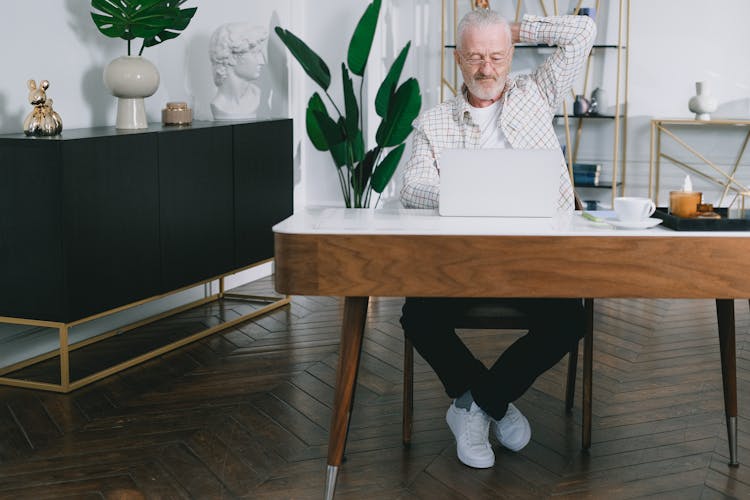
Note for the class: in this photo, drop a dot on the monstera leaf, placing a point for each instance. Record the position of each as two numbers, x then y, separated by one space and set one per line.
182 18
155 21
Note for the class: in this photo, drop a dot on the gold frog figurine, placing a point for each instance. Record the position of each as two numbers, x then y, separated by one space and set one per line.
42 120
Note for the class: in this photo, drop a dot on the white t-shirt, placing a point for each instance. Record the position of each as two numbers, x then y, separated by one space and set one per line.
487 119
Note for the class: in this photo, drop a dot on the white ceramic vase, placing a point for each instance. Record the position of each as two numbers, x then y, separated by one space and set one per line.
131 79
703 103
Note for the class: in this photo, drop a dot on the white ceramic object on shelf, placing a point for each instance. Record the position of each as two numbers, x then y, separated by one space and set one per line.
703 103
598 101
131 79
237 58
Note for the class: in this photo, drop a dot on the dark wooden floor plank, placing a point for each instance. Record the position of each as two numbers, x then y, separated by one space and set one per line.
192 474
245 414
228 467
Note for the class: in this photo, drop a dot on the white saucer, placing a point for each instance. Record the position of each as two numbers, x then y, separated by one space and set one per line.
641 224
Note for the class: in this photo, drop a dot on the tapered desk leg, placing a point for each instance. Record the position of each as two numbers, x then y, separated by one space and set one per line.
570 386
352 331
588 362
408 396
725 316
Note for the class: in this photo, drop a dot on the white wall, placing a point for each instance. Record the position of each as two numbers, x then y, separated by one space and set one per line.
64 47
673 44
56 40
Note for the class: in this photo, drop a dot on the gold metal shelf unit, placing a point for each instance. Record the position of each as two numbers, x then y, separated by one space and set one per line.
65 348
725 180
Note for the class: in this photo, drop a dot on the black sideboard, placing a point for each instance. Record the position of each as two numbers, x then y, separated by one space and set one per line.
99 218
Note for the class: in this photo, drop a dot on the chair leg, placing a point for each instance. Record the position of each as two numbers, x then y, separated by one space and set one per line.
570 385
408 403
588 361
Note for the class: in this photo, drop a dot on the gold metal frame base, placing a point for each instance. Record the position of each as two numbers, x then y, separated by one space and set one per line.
725 180
66 385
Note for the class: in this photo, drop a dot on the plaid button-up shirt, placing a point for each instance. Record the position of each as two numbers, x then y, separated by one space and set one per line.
529 105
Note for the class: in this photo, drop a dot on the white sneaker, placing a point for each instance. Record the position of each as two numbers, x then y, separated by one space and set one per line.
471 429
513 430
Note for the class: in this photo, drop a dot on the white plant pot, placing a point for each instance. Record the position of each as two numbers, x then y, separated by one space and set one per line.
131 79
703 103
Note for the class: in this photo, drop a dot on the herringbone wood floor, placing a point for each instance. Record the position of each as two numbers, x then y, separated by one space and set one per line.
244 414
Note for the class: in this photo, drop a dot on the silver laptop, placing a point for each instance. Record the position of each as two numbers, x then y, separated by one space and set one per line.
499 182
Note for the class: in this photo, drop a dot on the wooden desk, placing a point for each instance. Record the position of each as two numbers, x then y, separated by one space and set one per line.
712 173
360 253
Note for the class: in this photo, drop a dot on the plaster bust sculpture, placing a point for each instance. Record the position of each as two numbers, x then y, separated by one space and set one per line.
237 58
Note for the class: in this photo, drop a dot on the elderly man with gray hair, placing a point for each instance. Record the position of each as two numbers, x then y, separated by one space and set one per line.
495 111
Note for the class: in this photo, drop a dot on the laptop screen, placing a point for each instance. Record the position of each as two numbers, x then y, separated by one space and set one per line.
499 182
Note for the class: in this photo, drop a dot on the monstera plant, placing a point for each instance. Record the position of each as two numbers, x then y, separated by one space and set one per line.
360 170
154 21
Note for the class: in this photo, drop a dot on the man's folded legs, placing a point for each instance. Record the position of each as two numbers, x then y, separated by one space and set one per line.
484 396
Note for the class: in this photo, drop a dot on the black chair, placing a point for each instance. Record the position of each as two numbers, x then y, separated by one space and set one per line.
491 316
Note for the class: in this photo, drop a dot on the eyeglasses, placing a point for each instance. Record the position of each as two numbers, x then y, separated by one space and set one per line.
477 60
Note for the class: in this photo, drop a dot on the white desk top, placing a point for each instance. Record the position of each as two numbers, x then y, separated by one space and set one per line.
428 222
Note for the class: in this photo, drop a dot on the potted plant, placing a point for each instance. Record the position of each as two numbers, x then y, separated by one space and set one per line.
132 78
360 171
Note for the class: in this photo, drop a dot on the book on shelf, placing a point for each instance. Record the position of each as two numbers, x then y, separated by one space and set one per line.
586 180
586 174
587 168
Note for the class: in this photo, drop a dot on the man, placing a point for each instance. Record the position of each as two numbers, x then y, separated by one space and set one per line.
495 111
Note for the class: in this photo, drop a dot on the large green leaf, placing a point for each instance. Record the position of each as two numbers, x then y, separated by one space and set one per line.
127 18
154 21
351 108
311 62
339 154
314 131
386 168
388 86
358 146
109 28
179 21
333 135
160 37
110 7
361 42
362 172
403 109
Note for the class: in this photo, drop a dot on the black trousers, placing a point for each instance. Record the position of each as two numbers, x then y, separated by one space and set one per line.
555 325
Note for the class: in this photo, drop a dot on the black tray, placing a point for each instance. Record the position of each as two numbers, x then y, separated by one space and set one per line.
726 223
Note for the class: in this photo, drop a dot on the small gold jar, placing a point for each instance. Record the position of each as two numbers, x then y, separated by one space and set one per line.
177 113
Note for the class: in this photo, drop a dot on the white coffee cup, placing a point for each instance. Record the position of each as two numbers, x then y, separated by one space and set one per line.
633 209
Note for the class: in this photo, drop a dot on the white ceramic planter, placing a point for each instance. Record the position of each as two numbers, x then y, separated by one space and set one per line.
131 79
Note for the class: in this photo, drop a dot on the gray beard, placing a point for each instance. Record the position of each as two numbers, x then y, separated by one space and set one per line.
482 93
